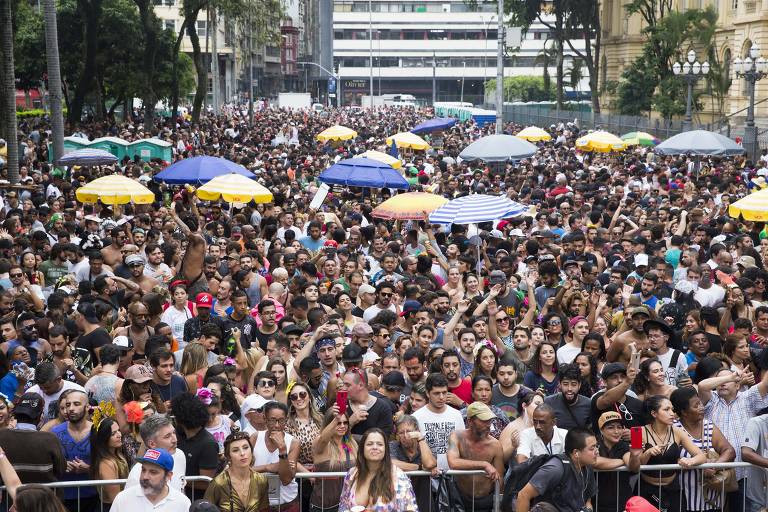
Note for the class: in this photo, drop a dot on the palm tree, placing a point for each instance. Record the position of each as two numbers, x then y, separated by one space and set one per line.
545 58
575 74
54 77
9 92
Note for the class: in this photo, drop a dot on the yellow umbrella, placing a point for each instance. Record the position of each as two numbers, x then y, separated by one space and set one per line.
337 132
753 207
534 134
601 142
408 206
114 189
383 158
408 140
234 188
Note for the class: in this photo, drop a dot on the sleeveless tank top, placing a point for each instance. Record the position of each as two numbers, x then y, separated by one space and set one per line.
278 494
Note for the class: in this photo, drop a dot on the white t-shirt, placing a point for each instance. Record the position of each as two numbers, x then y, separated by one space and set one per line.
179 471
437 428
531 444
176 319
709 297
132 499
670 374
48 399
374 310
566 354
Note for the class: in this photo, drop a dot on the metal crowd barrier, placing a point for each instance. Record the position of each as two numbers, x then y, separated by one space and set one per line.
496 492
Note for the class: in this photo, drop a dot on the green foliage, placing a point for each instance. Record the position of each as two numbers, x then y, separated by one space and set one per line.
523 88
649 82
35 112
29 60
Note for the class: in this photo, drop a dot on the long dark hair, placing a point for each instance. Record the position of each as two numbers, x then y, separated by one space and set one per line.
476 370
535 364
36 498
382 485
588 386
100 449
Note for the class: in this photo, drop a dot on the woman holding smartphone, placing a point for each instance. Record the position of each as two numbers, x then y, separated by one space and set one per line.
334 450
660 442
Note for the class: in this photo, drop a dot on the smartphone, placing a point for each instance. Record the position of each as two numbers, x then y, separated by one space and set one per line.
341 401
634 360
636 438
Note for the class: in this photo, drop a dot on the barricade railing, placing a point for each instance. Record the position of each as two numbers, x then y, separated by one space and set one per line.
301 476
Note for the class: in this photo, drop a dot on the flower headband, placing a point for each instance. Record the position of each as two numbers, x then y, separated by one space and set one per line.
204 395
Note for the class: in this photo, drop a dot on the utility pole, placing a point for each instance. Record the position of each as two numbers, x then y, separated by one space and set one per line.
250 70
434 79
370 49
500 68
463 74
215 61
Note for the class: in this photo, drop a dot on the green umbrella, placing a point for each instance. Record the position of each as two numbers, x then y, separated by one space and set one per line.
639 139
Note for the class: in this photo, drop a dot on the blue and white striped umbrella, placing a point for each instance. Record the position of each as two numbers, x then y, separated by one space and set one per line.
87 156
476 208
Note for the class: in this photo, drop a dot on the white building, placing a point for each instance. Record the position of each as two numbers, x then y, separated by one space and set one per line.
409 35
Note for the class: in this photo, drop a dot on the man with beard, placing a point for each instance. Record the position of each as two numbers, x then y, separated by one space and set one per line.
135 265
571 409
322 344
153 491
436 420
459 389
223 304
26 329
506 393
111 253
155 267
74 435
193 327
475 449
267 312
138 332
210 269
621 348
158 432
110 293
74 363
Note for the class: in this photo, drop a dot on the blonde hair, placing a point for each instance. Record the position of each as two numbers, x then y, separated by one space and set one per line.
194 358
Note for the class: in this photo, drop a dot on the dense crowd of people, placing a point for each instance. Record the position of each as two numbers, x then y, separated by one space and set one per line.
620 322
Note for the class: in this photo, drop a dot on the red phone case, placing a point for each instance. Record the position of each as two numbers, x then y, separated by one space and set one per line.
341 401
636 438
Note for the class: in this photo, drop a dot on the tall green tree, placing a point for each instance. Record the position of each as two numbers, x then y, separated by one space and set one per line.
54 77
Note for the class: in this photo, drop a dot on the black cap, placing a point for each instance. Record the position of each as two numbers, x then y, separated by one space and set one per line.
292 329
640 240
352 352
30 405
394 379
612 369
658 324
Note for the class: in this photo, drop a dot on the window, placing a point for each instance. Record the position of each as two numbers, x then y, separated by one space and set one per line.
170 25
202 25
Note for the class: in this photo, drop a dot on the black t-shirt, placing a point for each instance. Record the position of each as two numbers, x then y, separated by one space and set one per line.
264 338
176 387
633 417
395 407
715 343
557 483
570 416
94 341
247 328
379 415
609 501
202 452
508 404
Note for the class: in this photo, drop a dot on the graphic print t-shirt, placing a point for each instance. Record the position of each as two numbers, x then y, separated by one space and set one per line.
437 428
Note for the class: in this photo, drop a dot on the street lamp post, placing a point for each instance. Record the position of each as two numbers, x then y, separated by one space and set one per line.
691 71
463 74
752 69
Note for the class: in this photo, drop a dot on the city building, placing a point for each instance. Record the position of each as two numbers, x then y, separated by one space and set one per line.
418 45
740 24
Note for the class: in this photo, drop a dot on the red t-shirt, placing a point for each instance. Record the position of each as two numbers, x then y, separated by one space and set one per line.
463 391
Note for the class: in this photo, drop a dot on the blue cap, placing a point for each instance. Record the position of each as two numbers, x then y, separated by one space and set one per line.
159 457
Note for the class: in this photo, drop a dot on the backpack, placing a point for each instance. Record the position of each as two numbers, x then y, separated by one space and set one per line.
521 474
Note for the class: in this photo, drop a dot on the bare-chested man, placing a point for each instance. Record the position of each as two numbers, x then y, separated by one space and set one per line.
621 348
138 332
135 264
474 449
112 253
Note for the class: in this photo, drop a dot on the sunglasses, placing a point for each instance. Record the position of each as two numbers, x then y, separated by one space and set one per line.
385 294
266 383
300 395
16 275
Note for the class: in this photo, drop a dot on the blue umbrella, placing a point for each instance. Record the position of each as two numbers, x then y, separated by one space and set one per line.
363 172
476 208
200 169
434 125
87 156
699 143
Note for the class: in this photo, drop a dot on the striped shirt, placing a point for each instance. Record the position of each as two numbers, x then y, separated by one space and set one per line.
698 498
731 418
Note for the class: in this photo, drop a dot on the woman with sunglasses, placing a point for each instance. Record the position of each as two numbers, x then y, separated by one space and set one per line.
334 450
554 329
239 488
304 424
